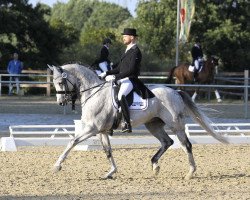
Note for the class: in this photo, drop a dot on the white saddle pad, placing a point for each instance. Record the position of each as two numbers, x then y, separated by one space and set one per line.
138 102
191 68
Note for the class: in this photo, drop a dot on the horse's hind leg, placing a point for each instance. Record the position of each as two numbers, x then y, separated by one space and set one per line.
187 147
104 138
71 145
156 127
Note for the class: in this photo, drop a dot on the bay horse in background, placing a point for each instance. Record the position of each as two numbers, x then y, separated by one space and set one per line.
204 76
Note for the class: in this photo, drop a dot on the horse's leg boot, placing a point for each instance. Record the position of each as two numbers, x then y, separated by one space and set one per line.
126 126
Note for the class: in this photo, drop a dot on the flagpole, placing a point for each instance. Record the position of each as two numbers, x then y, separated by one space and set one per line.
177 34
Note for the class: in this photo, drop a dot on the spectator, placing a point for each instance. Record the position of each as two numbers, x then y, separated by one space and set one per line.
15 67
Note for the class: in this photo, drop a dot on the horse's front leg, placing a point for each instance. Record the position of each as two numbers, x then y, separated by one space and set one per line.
79 138
104 138
217 96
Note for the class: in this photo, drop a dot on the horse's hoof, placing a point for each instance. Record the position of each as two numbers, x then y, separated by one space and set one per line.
188 176
156 169
57 169
219 100
107 177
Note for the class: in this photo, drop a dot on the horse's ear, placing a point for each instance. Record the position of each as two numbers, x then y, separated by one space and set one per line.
51 67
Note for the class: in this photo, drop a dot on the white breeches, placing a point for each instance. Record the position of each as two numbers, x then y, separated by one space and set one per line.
196 64
103 66
125 89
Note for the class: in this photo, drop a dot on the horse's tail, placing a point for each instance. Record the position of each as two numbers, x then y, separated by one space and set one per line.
200 117
170 76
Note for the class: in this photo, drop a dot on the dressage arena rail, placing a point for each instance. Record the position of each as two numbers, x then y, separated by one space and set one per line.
47 84
60 135
46 74
226 76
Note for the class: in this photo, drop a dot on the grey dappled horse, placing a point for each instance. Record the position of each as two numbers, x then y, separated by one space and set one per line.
168 107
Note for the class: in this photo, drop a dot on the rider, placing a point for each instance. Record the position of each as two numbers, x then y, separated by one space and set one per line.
103 63
197 56
126 73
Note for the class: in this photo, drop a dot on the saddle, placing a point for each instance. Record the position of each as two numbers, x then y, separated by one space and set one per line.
136 100
191 68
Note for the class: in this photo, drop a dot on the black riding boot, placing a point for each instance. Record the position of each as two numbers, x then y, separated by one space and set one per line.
126 126
195 74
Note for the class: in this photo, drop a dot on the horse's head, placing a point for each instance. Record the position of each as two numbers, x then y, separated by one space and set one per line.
65 84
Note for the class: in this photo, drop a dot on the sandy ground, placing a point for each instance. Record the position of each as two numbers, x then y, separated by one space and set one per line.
223 172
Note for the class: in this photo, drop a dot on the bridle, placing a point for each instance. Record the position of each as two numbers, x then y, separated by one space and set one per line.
68 94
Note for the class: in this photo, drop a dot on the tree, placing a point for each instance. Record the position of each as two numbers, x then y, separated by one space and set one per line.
95 21
24 29
224 31
156 24
222 27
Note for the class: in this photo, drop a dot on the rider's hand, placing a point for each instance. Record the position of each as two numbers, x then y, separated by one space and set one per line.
110 78
102 75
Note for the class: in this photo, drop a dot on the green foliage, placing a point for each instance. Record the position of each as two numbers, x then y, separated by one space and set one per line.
24 29
95 21
224 32
106 15
75 12
155 22
74 31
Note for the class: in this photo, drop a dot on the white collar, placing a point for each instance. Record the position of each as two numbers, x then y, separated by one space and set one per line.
196 45
130 46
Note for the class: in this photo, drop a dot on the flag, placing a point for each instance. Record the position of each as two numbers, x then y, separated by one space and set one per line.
186 14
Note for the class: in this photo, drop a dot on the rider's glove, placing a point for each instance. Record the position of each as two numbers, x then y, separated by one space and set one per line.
102 75
110 78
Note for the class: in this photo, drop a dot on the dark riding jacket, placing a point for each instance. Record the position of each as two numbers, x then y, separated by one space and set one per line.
129 66
104 56
196 52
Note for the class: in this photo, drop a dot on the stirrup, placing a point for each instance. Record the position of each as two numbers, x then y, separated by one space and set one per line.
126 127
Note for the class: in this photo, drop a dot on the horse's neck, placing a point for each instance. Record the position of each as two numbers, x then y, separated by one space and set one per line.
205 68
86 78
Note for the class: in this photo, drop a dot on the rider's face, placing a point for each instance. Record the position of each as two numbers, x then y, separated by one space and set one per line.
127 39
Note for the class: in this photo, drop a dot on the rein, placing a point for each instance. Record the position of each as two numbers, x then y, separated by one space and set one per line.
101 84
67 92
94 87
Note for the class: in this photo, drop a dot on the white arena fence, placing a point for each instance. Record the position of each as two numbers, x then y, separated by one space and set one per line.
60 135
45 75
47 83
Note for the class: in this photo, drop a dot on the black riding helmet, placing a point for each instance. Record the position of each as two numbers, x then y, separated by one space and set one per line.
107 41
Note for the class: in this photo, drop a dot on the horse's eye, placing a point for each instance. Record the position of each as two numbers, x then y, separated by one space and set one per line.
61 84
